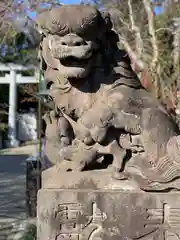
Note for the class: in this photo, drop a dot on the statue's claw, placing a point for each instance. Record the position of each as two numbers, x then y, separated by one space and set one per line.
119 176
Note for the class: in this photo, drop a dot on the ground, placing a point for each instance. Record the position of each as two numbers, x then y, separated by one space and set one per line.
13 185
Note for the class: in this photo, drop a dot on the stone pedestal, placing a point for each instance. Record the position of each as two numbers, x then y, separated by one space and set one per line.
91 206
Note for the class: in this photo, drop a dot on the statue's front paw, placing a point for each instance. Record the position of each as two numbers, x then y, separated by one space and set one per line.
117 175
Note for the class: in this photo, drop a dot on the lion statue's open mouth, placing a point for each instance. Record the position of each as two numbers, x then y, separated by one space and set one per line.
73 67
75 62
69 54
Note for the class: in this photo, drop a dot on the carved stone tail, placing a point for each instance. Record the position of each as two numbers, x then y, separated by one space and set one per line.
173 149
168 167
162 176
167 170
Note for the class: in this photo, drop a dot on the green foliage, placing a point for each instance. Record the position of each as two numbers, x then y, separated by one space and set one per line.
16 49
29 233
3 127
164 33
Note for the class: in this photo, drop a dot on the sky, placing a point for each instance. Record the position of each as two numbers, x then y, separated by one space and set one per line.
70 1
157 10
33 14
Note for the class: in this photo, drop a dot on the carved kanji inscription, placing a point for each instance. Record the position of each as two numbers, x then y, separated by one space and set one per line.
109 215
75 225
167 221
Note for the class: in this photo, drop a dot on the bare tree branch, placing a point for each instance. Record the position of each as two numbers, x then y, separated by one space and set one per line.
135 29
151 28
5 10
133 55
163 29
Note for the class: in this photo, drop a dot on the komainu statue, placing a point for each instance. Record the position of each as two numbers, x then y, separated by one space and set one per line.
101 116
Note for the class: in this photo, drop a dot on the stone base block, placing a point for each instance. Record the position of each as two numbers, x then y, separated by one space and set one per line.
101 213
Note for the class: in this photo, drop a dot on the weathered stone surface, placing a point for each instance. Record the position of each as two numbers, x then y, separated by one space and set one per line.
54 178
79 212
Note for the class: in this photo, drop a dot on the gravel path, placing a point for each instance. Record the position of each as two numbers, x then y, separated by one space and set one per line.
13 185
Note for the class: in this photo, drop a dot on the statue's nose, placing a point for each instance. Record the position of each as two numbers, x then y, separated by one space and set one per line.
72 40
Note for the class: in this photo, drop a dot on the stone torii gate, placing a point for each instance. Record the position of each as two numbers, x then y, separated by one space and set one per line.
13 78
